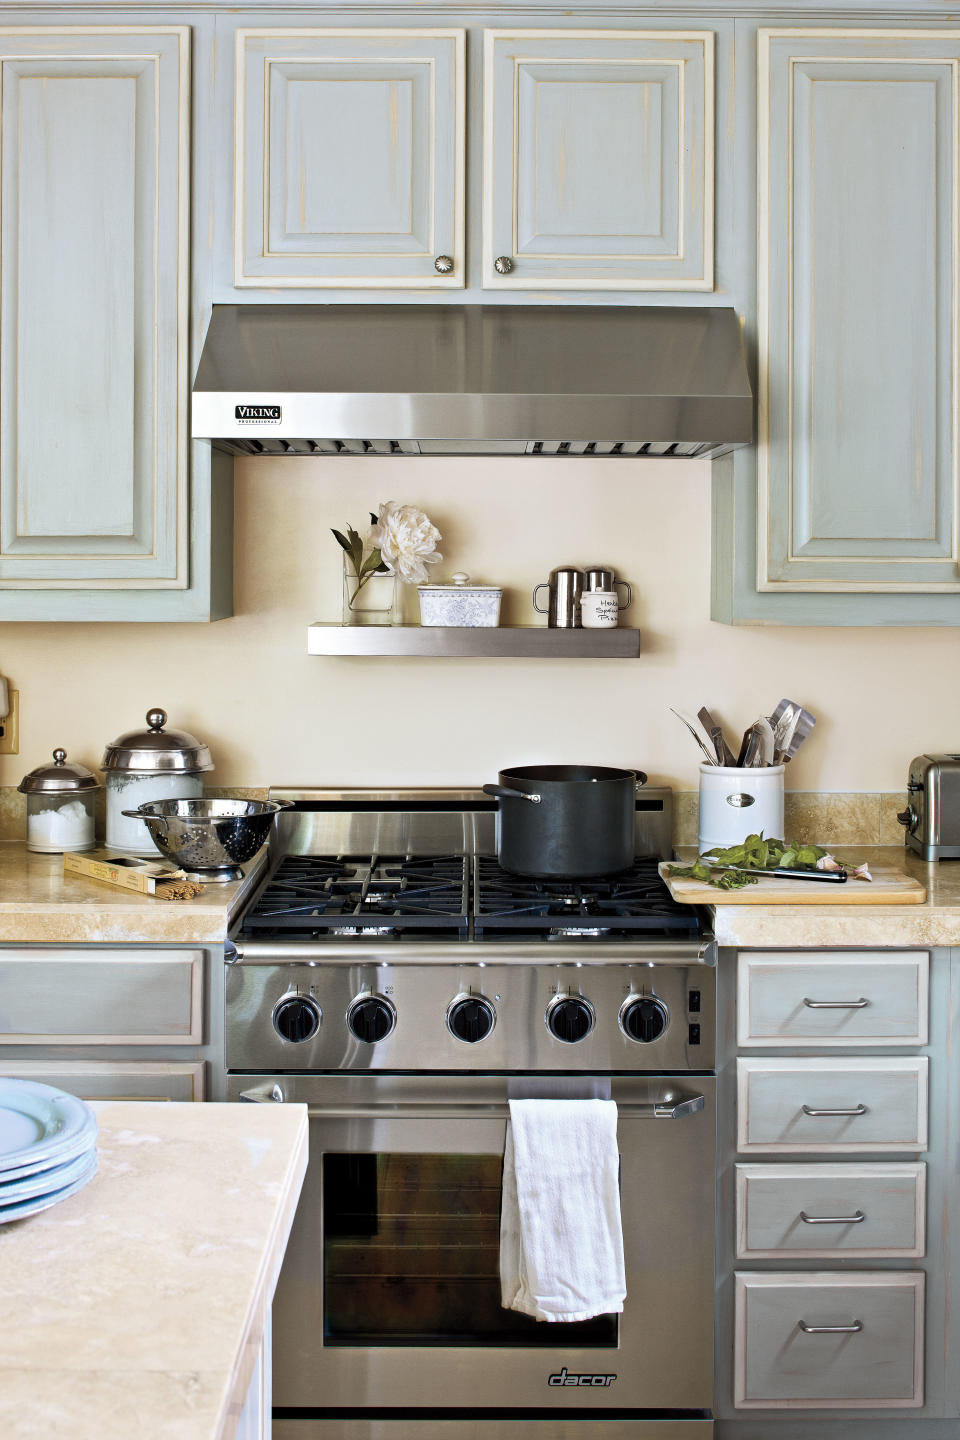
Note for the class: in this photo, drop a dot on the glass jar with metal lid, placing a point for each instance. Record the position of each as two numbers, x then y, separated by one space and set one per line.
60 806
151 764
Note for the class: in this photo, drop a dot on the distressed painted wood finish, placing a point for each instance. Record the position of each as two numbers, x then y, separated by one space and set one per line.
822 1212
803 998
885 1100
350 158
94 227
858 311
878 1365
598 159
106 996
116 1079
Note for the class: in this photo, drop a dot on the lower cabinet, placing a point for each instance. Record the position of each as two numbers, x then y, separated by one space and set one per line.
829 1341
115 1079
818 1212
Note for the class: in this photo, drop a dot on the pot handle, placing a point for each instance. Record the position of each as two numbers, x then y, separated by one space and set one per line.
641 779
503 792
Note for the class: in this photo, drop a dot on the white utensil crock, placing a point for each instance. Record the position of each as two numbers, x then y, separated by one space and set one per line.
736 802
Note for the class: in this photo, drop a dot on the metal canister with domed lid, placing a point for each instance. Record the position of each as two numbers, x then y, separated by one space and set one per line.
60 806
151 764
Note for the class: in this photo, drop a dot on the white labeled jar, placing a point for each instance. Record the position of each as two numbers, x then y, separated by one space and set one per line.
737 801
152 764
60 806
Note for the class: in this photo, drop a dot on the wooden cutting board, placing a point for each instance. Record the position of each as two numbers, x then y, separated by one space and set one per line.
889 887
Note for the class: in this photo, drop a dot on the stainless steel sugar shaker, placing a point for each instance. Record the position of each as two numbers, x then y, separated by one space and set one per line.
565 587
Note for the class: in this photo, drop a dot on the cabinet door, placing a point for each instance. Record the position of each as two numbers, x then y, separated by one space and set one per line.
115 1079
858 311
94 226
598 160
350 158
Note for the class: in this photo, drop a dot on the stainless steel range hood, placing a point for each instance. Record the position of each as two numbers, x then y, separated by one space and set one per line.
473 380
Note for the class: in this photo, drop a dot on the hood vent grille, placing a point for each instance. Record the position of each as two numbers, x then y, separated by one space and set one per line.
660 450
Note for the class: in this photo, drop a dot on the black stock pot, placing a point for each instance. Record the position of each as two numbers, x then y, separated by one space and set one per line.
566 822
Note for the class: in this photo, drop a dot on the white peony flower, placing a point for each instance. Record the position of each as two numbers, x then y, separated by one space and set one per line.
407 541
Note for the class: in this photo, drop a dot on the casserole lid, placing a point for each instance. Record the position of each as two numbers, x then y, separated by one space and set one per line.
58 777
157 749
458 583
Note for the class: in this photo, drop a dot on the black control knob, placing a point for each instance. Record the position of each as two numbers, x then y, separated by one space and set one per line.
297 1018
643 1018
907 817
371 1018
570 1018
471 1018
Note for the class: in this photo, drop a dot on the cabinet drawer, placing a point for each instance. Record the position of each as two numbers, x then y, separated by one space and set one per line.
115 1079
882 1104
813 1212
798 998
101 997
874 1361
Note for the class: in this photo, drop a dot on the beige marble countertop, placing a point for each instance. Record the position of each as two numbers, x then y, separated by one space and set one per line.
137 1307
936 922
39 904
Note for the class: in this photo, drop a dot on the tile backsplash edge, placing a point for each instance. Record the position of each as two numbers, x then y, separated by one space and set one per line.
828 818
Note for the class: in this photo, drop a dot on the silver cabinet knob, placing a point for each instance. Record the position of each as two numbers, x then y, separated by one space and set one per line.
443 264
503 264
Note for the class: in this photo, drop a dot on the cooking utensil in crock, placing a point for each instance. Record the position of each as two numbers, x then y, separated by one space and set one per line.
566 822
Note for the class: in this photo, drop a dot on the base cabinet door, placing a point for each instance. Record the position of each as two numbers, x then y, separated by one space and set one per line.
851 1341
598 160
115 1079
350 158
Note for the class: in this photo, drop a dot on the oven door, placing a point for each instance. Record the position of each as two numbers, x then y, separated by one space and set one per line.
389 1296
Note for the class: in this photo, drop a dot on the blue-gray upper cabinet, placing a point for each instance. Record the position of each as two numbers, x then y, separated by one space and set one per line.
94 199
598 160
350 158
858 153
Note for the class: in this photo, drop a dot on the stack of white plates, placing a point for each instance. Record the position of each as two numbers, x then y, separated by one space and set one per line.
48 1147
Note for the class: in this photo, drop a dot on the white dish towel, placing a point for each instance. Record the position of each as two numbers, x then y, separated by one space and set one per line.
561 1240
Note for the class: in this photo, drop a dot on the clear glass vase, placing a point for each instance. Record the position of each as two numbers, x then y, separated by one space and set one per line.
372 603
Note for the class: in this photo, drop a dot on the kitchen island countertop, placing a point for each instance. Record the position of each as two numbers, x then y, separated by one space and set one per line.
39 904
137 1307
936 922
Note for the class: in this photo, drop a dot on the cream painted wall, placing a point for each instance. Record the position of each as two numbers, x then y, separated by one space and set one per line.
274 715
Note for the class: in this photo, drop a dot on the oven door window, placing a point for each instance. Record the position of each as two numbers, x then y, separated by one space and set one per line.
411 1255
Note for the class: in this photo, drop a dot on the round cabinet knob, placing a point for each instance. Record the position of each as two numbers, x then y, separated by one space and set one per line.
503 265
296 1018
443 264
470 1018
371 1018
570 1018
643 1018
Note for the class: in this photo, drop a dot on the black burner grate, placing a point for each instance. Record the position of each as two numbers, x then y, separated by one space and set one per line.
633 905
382 895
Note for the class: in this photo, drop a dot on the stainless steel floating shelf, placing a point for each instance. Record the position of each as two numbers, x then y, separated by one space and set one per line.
484 642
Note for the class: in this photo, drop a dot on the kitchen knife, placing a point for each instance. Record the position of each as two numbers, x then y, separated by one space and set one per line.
838 877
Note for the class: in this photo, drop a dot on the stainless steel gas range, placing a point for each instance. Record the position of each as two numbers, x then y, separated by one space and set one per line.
391 976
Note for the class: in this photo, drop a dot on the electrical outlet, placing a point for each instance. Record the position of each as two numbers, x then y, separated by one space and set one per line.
10 727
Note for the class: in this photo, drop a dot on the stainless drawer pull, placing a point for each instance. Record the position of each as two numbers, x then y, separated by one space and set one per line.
835 1004
854 1110
853 1219
853 1329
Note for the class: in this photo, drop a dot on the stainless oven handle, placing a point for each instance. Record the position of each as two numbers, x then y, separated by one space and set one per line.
672 1108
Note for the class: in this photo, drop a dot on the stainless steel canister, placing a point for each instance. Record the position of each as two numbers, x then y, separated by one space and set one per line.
152 764
565 587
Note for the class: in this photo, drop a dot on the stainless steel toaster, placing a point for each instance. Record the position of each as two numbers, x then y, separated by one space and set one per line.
932 816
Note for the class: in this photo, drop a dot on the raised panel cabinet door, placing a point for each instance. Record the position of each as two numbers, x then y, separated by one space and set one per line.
801 998
834 1105
349 158
859 152
820 1212
598 159
94 229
